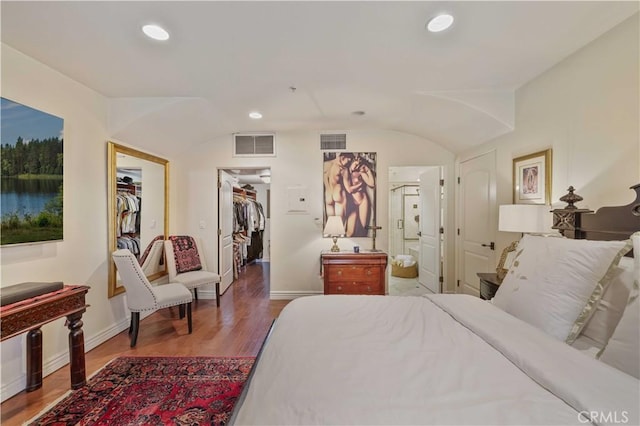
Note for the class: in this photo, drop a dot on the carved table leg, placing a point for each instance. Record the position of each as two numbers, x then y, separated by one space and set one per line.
34 360
76 350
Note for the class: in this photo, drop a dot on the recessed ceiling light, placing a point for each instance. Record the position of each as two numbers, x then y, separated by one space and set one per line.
155 32
255 115
440 23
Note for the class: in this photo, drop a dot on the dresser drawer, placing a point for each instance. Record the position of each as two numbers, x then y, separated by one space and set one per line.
353 272
355 287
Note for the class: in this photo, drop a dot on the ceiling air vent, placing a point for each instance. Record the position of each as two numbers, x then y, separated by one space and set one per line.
254 145
333 141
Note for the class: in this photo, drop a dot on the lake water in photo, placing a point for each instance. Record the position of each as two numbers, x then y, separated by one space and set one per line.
27 196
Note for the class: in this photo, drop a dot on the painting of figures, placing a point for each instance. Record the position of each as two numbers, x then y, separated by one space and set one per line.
31 154
349 183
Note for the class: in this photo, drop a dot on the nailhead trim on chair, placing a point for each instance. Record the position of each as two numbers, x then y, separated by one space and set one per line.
144 280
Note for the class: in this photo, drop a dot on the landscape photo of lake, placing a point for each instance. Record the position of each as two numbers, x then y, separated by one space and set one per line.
31 178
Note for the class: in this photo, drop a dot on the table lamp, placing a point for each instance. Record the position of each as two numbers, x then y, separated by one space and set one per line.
523 218
334 228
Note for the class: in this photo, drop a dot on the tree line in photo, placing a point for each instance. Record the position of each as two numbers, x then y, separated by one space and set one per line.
31 175
37 157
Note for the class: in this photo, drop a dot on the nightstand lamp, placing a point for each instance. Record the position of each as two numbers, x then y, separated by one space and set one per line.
523 218
334 228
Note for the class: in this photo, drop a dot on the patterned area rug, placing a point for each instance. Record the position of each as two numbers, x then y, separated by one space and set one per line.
155 391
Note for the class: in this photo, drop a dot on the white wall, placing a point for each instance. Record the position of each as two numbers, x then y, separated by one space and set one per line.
81 258
586 109
296 240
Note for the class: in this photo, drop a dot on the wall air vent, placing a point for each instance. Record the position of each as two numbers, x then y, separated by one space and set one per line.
333 141
254 145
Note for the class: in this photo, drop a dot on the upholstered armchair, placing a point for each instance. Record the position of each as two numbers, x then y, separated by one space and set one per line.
186 264
142 296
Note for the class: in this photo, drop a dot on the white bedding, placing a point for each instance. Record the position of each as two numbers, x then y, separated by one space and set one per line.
409 360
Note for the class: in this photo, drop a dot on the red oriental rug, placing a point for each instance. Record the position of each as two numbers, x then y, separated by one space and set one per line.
155 391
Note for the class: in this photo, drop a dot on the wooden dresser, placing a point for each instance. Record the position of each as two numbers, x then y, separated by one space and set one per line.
354 273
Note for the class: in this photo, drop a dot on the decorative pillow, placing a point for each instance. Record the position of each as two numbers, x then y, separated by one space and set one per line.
623 349
185 253
555 283
609 310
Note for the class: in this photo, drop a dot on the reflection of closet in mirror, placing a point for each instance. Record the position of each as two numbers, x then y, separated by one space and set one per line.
138 210
128 206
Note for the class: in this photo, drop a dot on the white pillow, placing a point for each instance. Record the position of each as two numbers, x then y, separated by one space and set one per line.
555 283
609 310
623 349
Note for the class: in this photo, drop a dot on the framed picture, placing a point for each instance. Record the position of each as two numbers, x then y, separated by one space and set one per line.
31 175
532 178
349 182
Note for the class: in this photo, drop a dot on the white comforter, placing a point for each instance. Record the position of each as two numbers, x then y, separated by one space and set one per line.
445 359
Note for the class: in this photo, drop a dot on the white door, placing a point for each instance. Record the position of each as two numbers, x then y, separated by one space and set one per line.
225 229
429 234
476 221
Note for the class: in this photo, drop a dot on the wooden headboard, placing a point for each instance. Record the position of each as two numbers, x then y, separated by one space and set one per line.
611 223
608 223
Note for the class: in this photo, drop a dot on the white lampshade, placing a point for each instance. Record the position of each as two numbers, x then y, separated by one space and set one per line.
525 218
334 227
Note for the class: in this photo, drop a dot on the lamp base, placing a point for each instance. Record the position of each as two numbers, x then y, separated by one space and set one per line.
335 245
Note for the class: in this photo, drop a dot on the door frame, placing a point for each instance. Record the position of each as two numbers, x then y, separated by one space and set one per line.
227 169
444 222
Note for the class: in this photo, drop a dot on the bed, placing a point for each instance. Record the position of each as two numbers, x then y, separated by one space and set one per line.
456 359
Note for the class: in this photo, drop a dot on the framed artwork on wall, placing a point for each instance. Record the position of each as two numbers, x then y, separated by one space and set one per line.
31 175
532 178
349 182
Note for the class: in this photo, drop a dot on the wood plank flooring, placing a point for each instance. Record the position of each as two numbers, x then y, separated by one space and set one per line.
237 328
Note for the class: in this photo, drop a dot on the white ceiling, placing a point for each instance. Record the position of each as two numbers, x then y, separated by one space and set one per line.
225 59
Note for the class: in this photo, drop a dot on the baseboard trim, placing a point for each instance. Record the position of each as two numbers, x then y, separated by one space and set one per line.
290 295
13 387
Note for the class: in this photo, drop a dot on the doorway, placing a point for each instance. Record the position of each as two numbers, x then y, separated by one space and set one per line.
243 220
416 214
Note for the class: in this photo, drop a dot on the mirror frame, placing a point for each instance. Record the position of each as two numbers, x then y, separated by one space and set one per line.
113 149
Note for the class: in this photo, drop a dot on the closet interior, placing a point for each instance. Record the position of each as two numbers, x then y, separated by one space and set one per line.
250 218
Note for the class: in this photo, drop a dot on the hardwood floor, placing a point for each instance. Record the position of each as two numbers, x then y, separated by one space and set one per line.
237 328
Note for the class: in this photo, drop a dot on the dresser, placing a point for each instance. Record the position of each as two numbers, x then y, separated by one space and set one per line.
354 273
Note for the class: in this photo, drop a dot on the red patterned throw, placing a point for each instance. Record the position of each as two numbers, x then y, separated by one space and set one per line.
185 253
155 391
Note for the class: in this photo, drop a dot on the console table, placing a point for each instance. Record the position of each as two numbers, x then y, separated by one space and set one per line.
31 314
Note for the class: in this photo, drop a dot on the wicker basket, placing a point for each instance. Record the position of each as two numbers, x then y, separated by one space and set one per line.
404 272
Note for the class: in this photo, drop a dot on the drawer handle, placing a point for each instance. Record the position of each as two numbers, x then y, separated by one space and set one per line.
369 272
368 288
339 272
339 288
